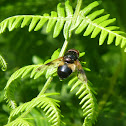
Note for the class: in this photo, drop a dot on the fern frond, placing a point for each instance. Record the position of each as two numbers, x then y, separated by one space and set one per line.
88 101
36 22
3 63
19 122
38 117
94 23
24 71
10 88
50 107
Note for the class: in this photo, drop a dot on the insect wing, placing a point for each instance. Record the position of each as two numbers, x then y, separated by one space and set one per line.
81 73
53 63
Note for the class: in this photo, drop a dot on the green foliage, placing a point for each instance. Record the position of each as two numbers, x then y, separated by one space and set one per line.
85 92
49 105
94 23
88 101
106 64
3 63
20 122
24 71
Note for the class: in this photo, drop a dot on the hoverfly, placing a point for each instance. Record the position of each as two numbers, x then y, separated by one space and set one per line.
67 64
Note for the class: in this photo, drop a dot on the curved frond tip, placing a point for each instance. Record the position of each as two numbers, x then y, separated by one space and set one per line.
23 72
3 63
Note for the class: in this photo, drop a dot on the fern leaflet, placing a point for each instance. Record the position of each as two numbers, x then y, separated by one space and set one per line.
3 63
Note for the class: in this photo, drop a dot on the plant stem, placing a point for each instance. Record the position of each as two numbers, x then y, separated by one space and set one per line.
46 85
65 44
51 78
48 80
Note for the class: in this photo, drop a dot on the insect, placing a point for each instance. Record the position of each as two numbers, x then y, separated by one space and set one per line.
67 64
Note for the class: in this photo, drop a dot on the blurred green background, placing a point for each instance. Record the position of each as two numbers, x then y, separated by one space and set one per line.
107 63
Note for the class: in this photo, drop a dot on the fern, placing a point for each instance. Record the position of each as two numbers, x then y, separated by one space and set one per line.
49 105
85 91
24 71
94 23
88 101
9 89
85 20
39 117
19 122
3 63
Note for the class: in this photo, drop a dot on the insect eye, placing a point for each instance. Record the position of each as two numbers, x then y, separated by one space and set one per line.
70 57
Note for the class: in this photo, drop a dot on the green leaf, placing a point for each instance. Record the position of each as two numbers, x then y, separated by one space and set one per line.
81 27
51 22
69 13
103 36
26 72
125 50
91 6
55 54
33 23
89 29
97 30
118 40
110 38
93 15
3 63
17 22
69 9
107 22
41 22
19 122
123 42
81 54
26 21
60 20
4 25
39 73
11 21
50 71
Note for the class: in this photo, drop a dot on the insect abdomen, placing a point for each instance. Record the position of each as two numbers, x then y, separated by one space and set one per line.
64 71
